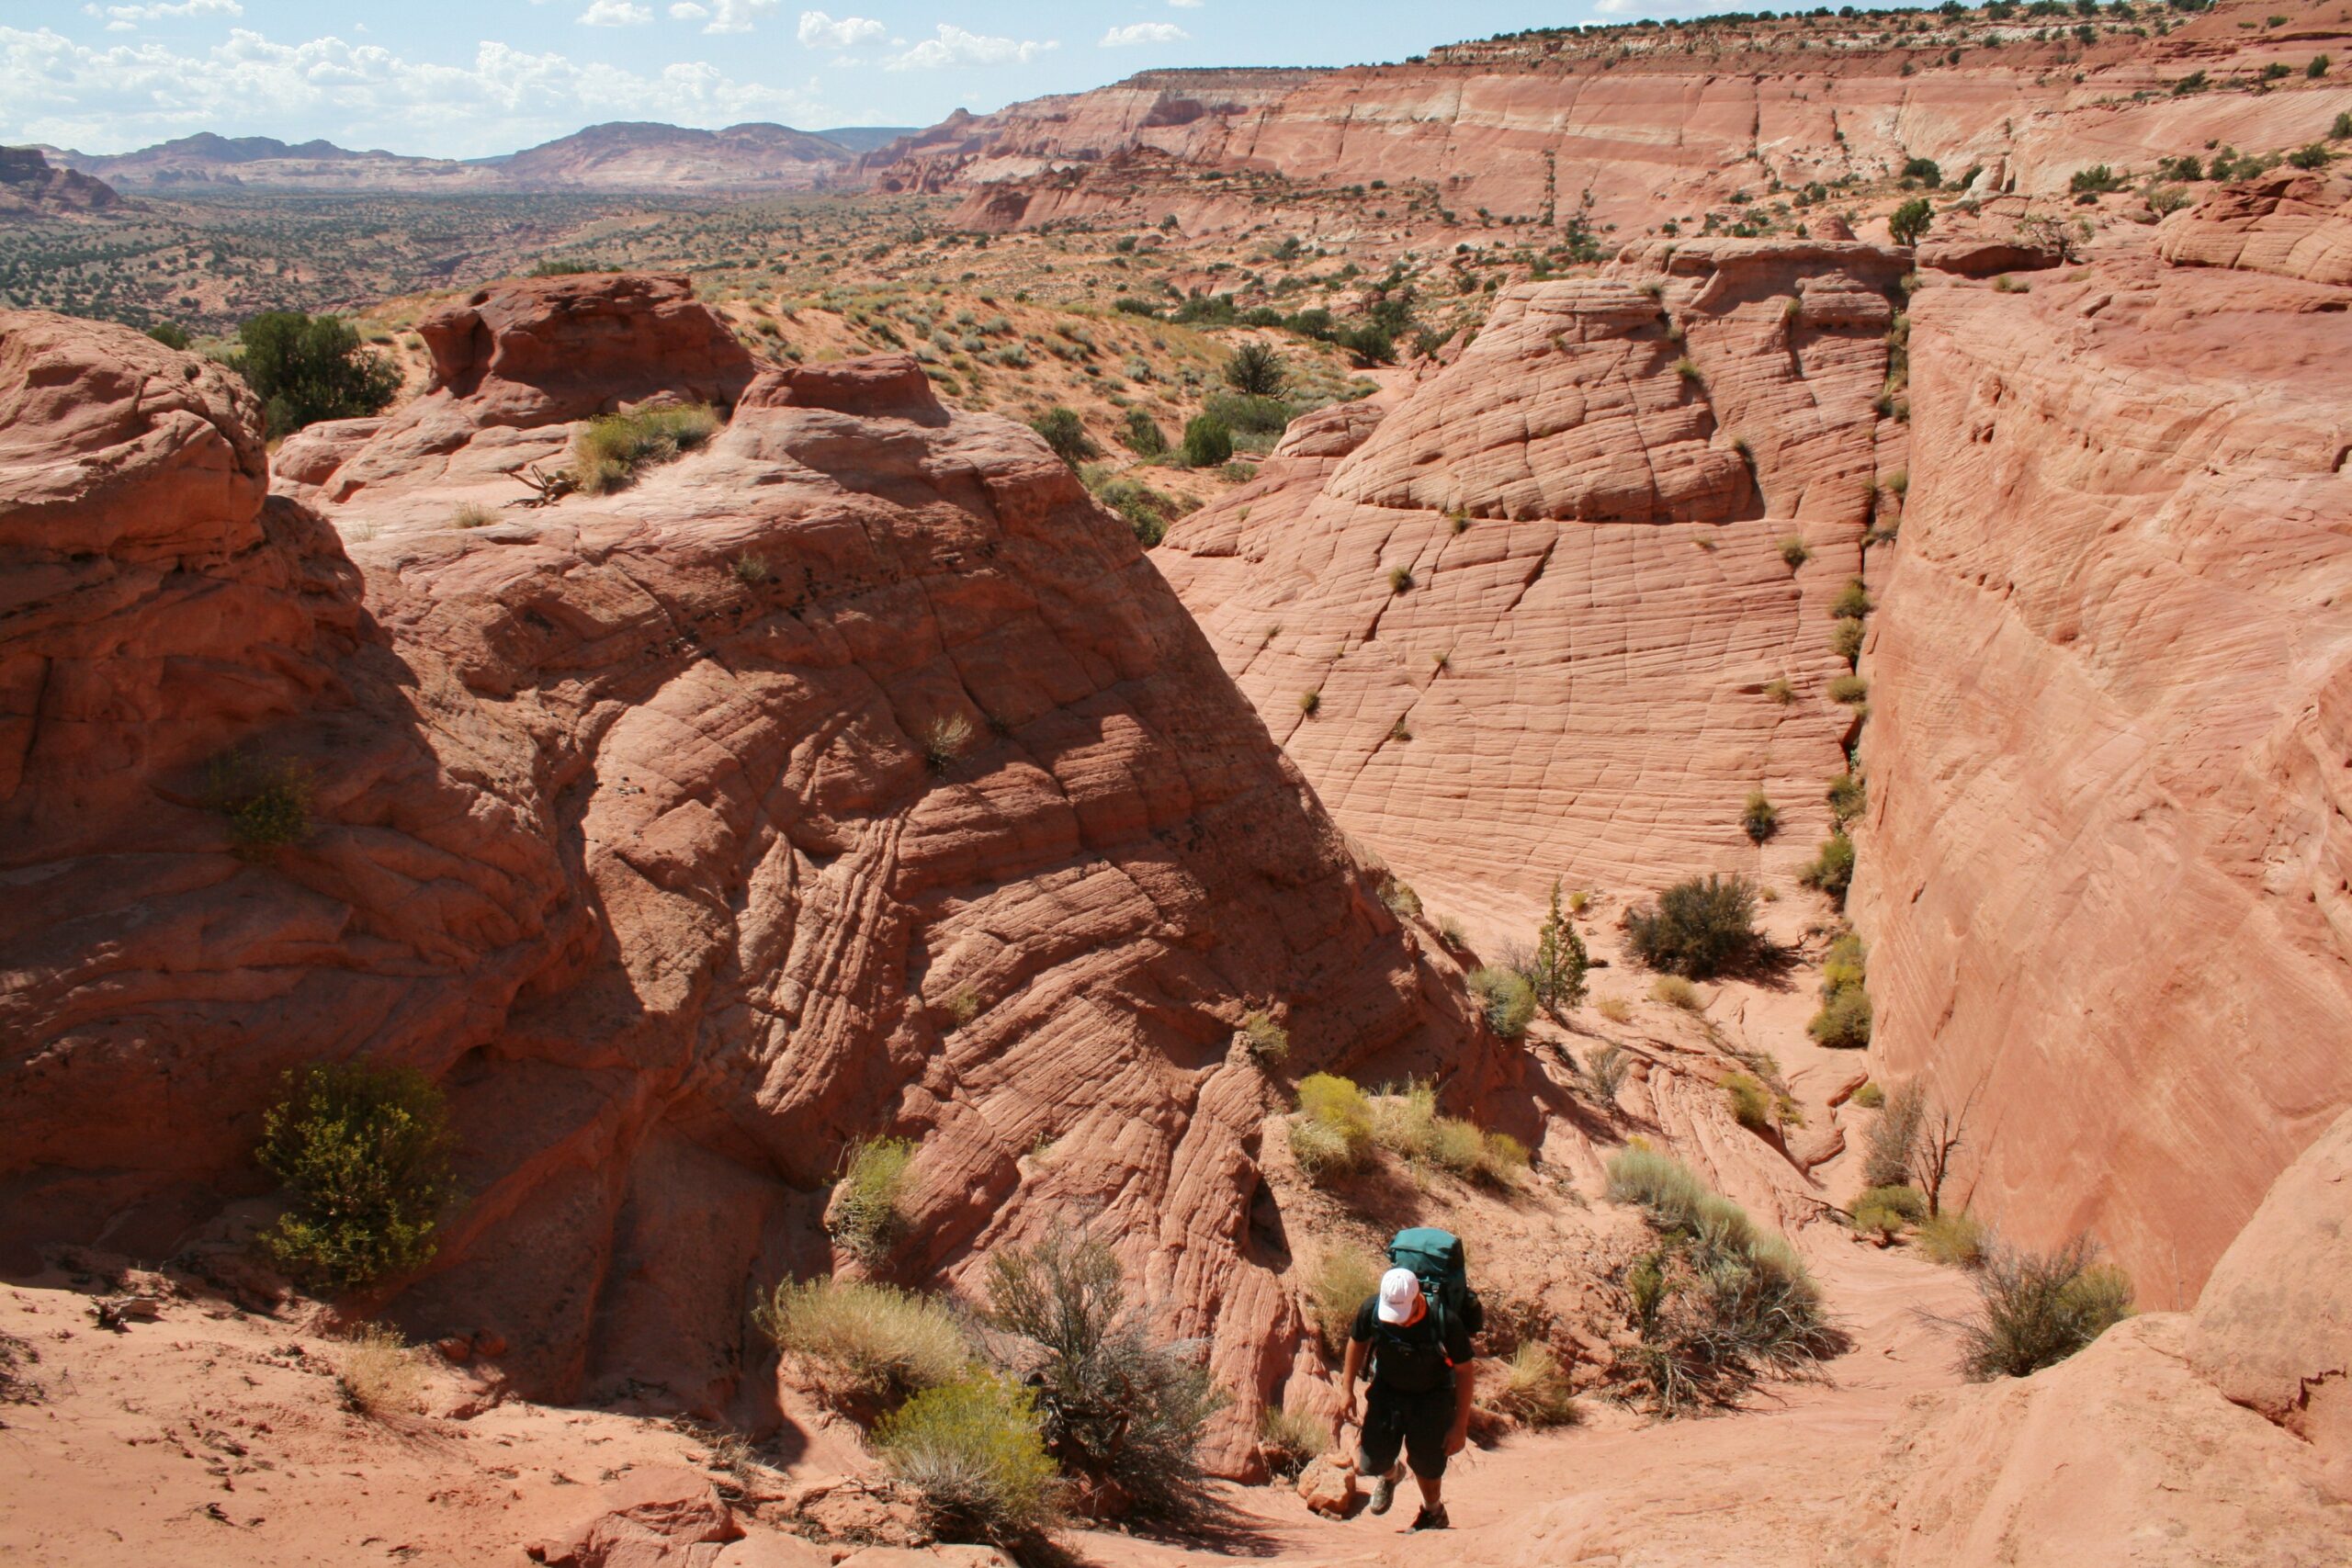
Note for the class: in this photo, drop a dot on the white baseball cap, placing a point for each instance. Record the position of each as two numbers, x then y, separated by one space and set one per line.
1400 1296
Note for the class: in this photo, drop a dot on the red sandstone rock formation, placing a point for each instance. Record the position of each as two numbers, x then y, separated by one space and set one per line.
2289 224
1591 513
636 848
2106 871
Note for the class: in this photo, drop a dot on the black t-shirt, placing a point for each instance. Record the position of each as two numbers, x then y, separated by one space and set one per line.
1417 1368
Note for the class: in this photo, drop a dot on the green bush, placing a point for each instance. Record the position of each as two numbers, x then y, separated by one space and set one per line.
2313 155
1759 819
1848 797
1846 638
1148 512
170 334
1332 1131
1795 551
869 1347
2095 179
973 1453
1853 601
308 368
1887 1210
2036 1309
610 449
1870 1097
362 1151
1952 1238
1063 431
1832 869
267 802
1560 963
1925 171
1751 1104
864 1217
1123 1414
1505 999
1910 221
1844 1021
1246 416
1207 442
1699 928
1370 344
1255 371
1269 1041
1144 436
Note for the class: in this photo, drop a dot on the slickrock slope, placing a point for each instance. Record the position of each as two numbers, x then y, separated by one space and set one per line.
622 827
1575 682
2105 876
1652 123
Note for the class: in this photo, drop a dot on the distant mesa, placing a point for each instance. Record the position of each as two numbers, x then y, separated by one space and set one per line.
31 186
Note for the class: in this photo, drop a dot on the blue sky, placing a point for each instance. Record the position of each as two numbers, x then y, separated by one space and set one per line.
463 78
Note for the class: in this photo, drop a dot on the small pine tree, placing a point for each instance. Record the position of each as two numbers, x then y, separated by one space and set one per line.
1560 961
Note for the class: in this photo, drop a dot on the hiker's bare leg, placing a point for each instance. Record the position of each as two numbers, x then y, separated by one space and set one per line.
1432 1490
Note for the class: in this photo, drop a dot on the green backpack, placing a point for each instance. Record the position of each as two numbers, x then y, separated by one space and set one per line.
1435 1256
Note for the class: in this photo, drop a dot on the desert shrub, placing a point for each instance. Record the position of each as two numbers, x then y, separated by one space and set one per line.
2341 130
472 514
308 368
1342 1277
1848 689
1779 690
1332 1131
1308 702
1559 966
1662 1185
1535 1388
1615 1008
608 451
1269 1041
1120 1413
1844 1021
1400 579
1605 1069
963 1005
377 1373
1759 819
1925 171
1148 512
1795 551
362 1154
267 802
1699 928
1503 1160
1063 431
749 570
862 1216
1369 343
1750 1102
2313 155
1951 1237
1846 638
1848 797
170 334
1143 437
1207 442
1255 371
1909 222
1676 992
2096 179
868 1347
1853 601
1894 1142
1450 928
1505 999
1832 868
2036 1309
1886 1209
1686 369
1246 416
1289 1440
1398 894
973 1453
944 739
1870 1097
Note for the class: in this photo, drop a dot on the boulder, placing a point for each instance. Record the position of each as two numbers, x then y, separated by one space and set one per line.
655 1516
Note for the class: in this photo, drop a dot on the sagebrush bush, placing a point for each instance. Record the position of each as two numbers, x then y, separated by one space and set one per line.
1535 1388
1066 433
973 1453
1143 437
1698 929
1123 1414
1208 444
363 1152
2036 1309
864 1216
377 1373
867 1347
609 450
1504 1000
1951 1237
1343 1276
266 801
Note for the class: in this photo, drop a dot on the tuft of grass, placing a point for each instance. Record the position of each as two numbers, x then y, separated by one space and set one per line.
1853 601
1269 1041
1870 1097
1343 1275
1846 639
1844 1021
1848 797
974 1455
472 514
868 1347
1535 1388
1504 1000
1614 1007
1289 1440
1750 1102
1331 1135
2036 1309
1952 1238
1676 992
1832 868
1779 690
1698 928
1687 370
864 1216
610 450
362 1154
1398 894
378 1374
1886 1210
1893 1142
1451 932
963 1005
1795 551
944 739
1848 689
1759 819
267 802
1309 702
1400 580
748 570
1606 1068
1658 1183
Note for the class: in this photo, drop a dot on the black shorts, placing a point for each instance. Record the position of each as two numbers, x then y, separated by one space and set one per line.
1417 1423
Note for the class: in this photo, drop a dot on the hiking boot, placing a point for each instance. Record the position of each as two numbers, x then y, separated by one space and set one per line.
1430 1519
1384 1492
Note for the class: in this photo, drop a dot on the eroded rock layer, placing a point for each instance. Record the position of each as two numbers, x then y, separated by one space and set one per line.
854 775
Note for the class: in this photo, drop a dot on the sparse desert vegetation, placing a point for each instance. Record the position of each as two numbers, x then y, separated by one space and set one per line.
361 1150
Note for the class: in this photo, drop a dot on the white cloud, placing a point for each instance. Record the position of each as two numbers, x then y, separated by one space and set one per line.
616 14
1143 32
1186 4
954 46
123 18
126 95
819 31
739 15
688 11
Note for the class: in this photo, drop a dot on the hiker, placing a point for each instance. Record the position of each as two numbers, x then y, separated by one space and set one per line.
1417 1337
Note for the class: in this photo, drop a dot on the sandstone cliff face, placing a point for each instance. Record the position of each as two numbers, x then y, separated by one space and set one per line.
1574 683
637 849
2105 876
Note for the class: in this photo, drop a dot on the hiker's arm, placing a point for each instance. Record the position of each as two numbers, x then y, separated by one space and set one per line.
1466 1384
1348 1373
